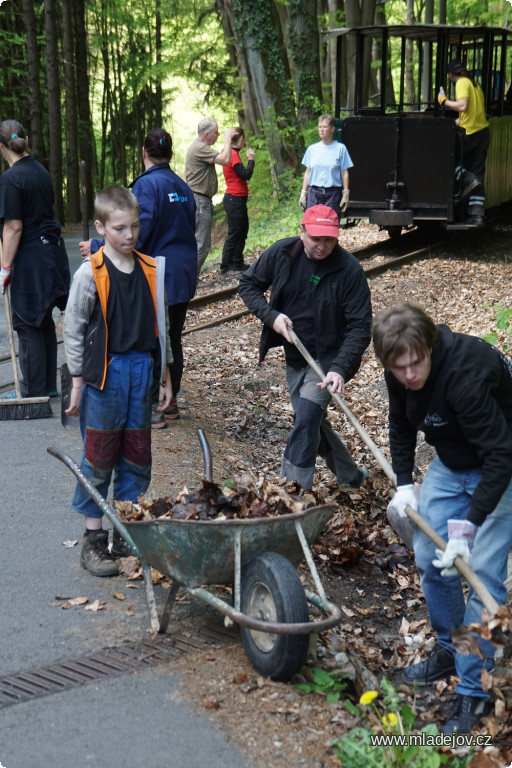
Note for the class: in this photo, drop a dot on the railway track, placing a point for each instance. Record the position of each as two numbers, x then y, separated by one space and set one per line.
223 305
377 258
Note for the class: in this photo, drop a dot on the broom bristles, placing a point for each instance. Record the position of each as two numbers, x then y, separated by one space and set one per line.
15 410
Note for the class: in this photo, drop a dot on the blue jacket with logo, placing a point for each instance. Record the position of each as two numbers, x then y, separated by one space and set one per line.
167 228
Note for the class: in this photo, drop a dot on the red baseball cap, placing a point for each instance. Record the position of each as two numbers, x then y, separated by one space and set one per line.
321 221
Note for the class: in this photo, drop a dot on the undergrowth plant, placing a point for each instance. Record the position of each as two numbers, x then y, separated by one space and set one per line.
325 683
503 320
387 738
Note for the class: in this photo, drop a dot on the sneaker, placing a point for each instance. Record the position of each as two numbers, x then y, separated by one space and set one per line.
120 548
157 418
95 556
477 221
440 664
172 411
466 713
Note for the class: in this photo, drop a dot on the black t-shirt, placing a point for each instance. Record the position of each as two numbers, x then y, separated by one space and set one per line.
298 302
130 311
26 194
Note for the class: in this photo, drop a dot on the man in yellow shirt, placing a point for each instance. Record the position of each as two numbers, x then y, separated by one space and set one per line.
473 132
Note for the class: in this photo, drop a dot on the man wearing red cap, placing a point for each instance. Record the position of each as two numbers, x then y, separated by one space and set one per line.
320 290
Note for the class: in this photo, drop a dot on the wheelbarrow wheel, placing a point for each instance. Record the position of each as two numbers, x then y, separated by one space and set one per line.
272 591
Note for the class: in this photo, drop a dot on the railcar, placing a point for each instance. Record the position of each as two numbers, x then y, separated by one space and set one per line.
401 141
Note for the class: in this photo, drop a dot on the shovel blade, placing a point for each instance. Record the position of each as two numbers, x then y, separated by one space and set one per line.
402 526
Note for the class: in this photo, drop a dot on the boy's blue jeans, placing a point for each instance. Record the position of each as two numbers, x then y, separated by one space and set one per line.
446 494
116 429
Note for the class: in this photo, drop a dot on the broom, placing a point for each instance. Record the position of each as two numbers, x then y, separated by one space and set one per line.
20 407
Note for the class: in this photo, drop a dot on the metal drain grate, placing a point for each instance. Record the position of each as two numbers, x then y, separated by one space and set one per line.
109 662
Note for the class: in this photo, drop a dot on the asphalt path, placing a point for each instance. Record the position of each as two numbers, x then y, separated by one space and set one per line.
137 719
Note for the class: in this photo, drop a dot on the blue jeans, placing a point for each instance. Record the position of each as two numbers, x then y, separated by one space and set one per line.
116 429
446 494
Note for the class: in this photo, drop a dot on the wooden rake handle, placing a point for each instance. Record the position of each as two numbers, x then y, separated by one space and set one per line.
479 587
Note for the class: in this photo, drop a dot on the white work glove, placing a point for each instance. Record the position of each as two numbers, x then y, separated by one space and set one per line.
5 277
344 200
404 497
303 199
441 96
461 537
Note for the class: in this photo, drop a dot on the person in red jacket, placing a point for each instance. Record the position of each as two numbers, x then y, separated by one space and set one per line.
235 205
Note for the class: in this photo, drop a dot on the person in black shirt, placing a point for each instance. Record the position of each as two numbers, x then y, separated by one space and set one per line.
457 389
321 291
34 260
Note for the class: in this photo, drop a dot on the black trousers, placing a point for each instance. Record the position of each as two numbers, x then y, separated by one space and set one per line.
238 227
177 315
38 355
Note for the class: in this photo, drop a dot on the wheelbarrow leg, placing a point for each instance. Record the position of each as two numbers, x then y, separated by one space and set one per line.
158 624
166 613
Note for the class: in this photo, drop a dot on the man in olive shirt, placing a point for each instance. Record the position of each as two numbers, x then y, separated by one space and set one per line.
201 177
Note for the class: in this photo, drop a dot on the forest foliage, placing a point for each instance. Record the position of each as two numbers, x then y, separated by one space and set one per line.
89 78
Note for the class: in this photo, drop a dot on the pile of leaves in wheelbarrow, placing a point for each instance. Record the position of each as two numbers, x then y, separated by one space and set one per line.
249 498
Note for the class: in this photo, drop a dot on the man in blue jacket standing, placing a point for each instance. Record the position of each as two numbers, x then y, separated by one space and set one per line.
319 290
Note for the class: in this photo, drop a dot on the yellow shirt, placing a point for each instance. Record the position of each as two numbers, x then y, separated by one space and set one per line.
474 119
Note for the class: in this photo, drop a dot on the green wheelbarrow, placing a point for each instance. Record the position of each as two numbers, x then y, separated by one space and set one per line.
257 556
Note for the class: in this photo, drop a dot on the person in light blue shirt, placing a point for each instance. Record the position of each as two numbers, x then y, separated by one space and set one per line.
327 163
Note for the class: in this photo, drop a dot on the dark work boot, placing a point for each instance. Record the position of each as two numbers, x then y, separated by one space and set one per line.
119 546
440 664
466 713
95 556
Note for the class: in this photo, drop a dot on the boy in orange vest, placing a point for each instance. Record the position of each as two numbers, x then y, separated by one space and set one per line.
116 341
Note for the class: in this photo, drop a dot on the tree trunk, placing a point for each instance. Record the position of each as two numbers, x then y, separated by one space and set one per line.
248 116
71 133
262 46
54 112
305 53
35 130
409 74
85 134
158 53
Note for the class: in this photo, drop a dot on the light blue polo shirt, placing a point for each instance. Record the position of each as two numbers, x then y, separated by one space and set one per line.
326 162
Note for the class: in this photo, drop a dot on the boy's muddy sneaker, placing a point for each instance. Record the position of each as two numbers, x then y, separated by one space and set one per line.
157 418
95 556
172 412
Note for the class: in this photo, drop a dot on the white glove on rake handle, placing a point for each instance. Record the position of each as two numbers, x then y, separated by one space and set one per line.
404 496
461 538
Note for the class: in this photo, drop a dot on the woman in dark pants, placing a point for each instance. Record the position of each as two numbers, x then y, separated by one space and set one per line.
235 205
34 260
167 228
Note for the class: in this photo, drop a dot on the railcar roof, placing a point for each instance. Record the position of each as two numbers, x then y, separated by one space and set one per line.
427 32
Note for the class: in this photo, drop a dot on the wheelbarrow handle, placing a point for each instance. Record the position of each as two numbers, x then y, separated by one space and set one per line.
96 497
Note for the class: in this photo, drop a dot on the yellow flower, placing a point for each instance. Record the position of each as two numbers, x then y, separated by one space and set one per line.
389 720
368 697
